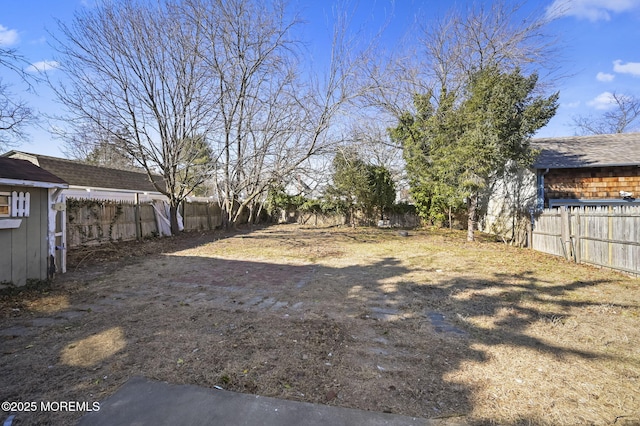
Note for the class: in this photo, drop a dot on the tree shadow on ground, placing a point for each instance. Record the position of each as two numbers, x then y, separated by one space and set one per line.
377 336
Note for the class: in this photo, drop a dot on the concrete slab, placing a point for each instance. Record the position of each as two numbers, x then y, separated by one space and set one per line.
145 402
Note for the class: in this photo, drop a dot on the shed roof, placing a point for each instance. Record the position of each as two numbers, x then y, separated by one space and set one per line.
621 149
81 174
12 169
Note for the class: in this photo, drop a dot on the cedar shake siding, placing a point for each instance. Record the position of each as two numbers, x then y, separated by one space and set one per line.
591 169
591 183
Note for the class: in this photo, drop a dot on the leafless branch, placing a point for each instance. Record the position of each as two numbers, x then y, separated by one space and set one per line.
622 118
15 114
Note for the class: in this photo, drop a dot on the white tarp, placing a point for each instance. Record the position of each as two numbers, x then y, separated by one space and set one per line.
162 211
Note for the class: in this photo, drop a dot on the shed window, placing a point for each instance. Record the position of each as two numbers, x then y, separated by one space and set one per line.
15 204
5 203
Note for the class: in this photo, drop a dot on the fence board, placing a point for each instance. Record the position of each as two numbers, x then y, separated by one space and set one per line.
201 216
607 236
100 221
547 233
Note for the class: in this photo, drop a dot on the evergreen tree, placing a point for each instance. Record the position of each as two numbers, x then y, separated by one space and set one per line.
455 149
350 181
360 186
382 189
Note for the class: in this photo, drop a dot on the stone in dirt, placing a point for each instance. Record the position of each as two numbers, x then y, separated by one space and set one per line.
441 325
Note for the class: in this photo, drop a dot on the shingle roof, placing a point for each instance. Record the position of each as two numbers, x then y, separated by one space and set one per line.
11 168
87 175
621 149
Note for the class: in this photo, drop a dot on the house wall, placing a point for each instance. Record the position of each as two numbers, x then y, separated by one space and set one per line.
23 250
591 183
506 204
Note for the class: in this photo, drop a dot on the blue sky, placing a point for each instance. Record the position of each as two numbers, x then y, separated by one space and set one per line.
600 48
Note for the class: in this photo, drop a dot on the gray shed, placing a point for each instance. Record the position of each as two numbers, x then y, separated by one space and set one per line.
29 223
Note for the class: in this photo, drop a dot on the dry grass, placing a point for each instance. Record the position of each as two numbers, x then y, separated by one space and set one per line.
427 325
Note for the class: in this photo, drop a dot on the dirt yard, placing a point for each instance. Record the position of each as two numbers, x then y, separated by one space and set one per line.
425 325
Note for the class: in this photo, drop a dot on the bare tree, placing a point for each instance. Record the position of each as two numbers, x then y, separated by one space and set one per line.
246 51
135 75
370 139
99 148
623 118
15 114
467 41
448 51
271 118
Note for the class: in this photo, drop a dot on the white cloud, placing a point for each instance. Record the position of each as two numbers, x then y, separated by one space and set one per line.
575 104
41 40
604 100
7 36
593 10
605 77
42 66
632 68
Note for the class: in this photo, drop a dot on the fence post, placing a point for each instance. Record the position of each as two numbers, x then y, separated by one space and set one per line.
531 225
578 230
565 232
610 234
136 217
206 209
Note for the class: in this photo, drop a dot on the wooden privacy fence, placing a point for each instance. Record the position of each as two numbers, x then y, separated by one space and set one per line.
201 216
607 236
100 221
402 220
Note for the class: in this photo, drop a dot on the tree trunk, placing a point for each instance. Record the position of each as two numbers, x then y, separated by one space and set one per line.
259 213
251 211
173 218
225 216
472 205
228 217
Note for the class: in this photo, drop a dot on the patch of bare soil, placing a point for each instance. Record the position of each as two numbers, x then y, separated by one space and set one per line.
425 325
